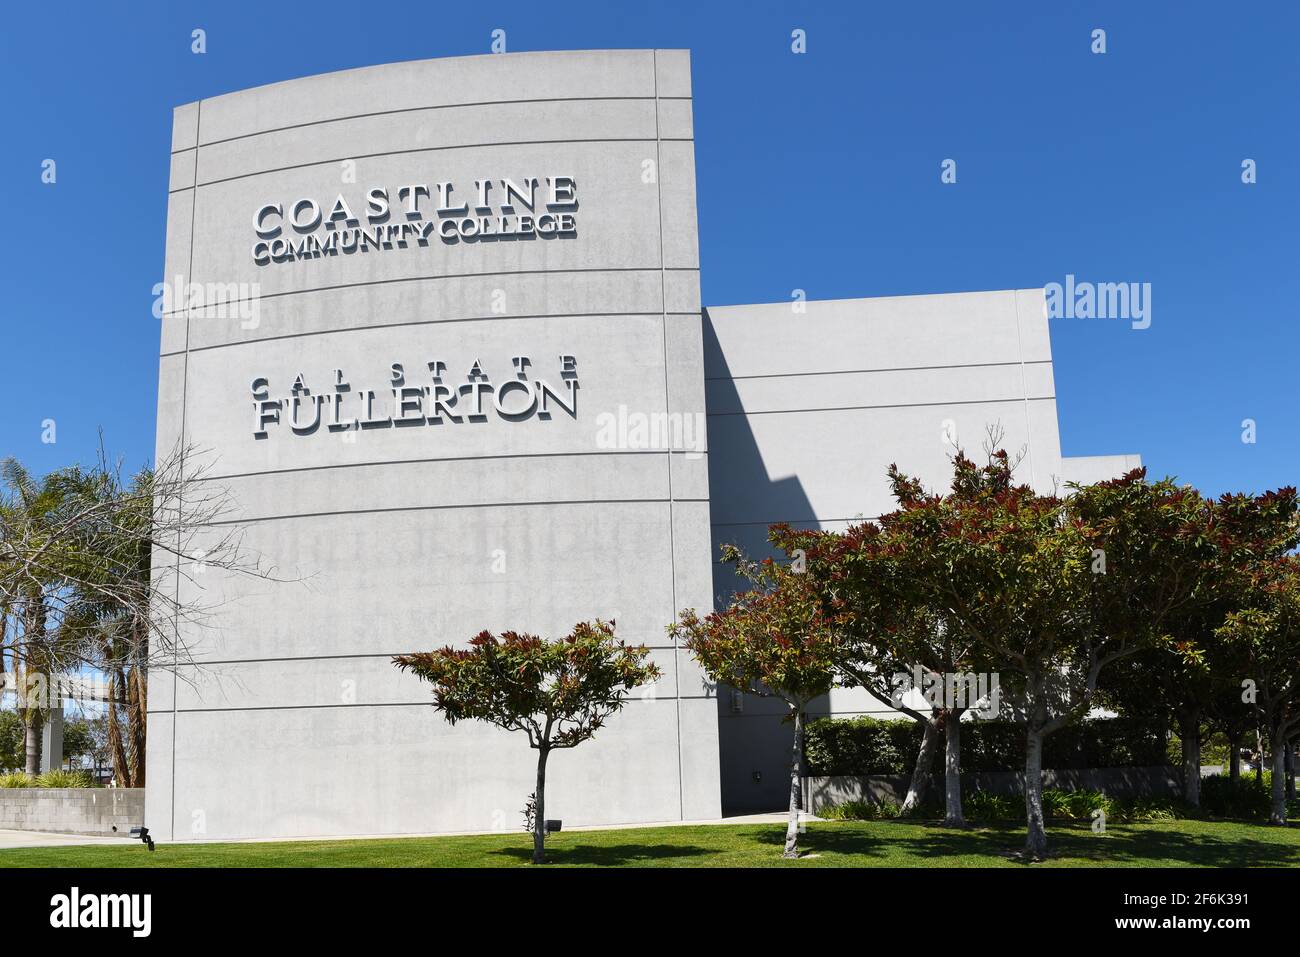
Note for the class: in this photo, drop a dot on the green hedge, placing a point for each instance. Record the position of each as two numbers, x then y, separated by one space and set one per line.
1058 805
1247 801
855 746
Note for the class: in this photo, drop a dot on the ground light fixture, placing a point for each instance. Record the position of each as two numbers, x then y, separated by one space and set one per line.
143 834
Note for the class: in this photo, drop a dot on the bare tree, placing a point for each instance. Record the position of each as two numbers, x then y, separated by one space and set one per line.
104 572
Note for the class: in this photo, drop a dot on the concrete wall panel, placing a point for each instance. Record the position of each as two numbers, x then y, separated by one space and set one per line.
617 217
807 410
619 362
846 335
363 138
832 464
357 680
402 537
421 84
428 301
470 776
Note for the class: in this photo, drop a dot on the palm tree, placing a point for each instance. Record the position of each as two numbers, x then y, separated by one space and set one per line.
107 617
31 510
77 552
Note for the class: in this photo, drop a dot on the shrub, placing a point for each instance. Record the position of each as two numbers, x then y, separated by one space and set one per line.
1075 805
50 779
65 779
1215 749
987 806
1058 805
857 746
860 811
1142 809
1071 806
1248 800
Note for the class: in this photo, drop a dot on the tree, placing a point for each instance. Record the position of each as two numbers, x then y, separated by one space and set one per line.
773 640
1163 686
884 639
33 512
1267 635
1189 682
12 733
893 631
98 748
1231 713
111 602
996 560
102 573
559 693
1049 591
78 739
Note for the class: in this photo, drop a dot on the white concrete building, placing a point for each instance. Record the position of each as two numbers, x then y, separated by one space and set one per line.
436 326
809 404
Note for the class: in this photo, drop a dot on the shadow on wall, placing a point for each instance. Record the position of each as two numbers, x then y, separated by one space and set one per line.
753 739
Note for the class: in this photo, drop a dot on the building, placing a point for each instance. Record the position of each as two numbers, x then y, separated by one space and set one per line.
436 327
807 410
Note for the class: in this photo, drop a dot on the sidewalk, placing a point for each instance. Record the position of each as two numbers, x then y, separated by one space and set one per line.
15 839
12 839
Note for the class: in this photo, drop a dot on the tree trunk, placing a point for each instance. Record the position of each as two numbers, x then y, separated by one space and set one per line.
1190 732
138 701
952 771
135 704
1036 838
796 783
121 767
539 821
33 741
1277 814
921 772
1234 759
1290 771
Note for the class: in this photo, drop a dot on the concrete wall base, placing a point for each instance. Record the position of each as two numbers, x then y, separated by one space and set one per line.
72 810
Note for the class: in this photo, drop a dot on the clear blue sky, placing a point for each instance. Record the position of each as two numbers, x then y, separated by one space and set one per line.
1117 167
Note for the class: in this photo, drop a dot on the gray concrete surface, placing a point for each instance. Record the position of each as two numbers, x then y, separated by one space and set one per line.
411 537
72 810
809 404
11 839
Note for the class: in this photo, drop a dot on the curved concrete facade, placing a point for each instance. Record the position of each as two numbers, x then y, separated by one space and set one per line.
360 387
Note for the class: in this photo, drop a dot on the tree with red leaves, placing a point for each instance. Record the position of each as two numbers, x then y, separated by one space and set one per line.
1195 680
890 629
1046 590
1266 635
559 693
773 640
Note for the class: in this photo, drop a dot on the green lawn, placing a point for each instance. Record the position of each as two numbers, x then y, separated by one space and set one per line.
827 844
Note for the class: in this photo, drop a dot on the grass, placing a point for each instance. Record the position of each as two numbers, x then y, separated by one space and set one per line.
829 844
